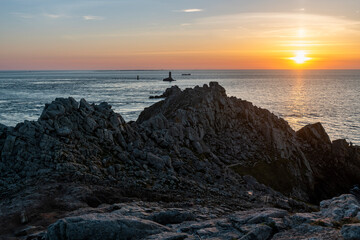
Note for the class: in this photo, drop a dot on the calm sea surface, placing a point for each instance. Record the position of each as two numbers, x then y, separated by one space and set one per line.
331 97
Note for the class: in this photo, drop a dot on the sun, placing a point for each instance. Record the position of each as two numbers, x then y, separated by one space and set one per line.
300 57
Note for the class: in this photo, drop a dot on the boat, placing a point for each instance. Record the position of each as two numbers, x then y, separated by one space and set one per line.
186 74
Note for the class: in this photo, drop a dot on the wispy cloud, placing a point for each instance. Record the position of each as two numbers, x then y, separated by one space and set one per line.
22 15
281 24
53 16
191 10
89 18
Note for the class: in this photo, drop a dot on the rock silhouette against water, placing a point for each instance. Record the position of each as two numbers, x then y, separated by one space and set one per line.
83 164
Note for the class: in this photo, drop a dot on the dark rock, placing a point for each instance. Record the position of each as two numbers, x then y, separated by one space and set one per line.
155 161
340 148
58 108
307 231
86 106
8 145
341 207
351 231
172 217
29 231
2 127
355 190
24 217
103 226
266 214
168 236
259 232
168 92
63 132
314 134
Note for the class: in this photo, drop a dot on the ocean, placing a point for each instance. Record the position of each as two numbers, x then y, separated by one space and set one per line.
301 97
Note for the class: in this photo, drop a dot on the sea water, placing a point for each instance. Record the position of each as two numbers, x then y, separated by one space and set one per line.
301 97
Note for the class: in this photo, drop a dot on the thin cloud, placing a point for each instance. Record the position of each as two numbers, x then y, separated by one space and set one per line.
22 15
53 16
90 18
281 24
191 10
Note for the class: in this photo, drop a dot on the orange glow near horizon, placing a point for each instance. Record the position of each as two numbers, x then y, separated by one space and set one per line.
240 41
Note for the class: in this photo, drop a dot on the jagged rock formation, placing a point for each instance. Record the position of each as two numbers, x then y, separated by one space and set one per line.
250 140
197 145
168 92
335 165
233 133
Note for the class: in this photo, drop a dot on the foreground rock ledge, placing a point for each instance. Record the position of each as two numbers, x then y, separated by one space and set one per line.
197 146
338 218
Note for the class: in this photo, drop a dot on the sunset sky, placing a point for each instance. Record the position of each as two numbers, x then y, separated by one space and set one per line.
181 34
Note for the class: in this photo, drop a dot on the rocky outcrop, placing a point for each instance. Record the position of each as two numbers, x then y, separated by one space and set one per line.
250 140
198 135
70 140
335 165
196 145
315 136
232 133
176 147
338 218
168 92
79 154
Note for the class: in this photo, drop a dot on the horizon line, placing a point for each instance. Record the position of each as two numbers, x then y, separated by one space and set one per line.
198 69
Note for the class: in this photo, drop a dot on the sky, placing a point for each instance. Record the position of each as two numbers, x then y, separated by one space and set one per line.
179 34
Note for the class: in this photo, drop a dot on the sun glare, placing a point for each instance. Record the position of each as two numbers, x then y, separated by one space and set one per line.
300 57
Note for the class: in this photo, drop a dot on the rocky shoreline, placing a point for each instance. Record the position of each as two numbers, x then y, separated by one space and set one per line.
196 165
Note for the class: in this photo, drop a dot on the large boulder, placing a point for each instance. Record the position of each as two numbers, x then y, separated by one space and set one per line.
338 208
315 135
102 227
